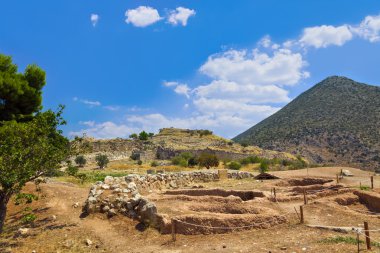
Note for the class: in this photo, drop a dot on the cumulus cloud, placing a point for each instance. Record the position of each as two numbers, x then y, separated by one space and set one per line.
242 92
180 16
105 130
369 28
326 35
283 67
142 16
94 19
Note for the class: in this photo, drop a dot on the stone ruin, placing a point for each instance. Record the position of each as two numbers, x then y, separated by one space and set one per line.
140 197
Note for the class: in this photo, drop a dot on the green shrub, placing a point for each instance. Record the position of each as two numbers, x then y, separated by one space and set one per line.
139 162
208 160
154 164
82 177
80 160
72 170
25 198
264 166
133 136
143 136
193 161
102 160
28 218
234 165
135 156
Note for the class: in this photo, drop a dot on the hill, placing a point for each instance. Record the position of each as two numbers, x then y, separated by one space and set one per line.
168 143
335 122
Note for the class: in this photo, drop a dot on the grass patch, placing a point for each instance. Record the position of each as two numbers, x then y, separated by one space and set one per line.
346 240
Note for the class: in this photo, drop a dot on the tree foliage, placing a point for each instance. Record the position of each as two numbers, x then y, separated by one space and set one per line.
80 160
208 160
102 160
29 150
20 93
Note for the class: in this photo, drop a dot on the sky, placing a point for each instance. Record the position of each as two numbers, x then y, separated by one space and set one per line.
123 66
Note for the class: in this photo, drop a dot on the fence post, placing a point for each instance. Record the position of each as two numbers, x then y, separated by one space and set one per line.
174 237
301 213
367 238
304 197
274 192
371 182
358 241
337 178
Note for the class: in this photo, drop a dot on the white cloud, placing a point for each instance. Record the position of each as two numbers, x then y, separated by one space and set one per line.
180 16
283 67
369 28
94 19
142 16
170 83
90 103
182 89
113 108
326 35
105 130
243 92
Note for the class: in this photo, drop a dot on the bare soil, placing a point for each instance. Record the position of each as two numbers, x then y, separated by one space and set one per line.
60 228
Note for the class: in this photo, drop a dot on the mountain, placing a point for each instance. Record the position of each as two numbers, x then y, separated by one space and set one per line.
335 122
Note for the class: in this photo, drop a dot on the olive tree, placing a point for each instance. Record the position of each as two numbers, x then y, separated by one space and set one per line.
29 150
208 160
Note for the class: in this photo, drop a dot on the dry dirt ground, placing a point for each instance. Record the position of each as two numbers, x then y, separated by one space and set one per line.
59 227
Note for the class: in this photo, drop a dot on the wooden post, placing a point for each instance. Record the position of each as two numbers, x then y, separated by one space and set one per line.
174 237
367 238
304 197
274 192
360 185
301 213
337 178
371 182
358 241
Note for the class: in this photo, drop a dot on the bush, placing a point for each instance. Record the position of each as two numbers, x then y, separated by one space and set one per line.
135 156
244 144
230 143
133 136
72 170
82 177
193 161
234 165
204 132
80 160
154 164
143 136
151 135
102 160
139 162
179 160
208 160
264 166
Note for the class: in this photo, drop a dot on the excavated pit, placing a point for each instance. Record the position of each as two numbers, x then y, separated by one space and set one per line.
244 195
361 202
208 211
304 181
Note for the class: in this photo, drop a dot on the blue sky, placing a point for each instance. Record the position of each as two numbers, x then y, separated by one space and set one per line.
131 65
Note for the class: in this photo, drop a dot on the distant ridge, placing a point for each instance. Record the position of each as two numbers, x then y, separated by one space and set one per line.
335 122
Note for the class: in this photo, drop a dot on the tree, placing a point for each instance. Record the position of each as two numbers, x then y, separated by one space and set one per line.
151 135
143 136
234 165
102 160
208 160
20 94
29 150
80 160
264 166
133 136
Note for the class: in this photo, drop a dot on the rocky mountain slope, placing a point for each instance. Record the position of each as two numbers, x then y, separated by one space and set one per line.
168 143
335 122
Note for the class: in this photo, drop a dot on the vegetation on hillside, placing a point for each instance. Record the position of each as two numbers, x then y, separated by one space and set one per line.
336 121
